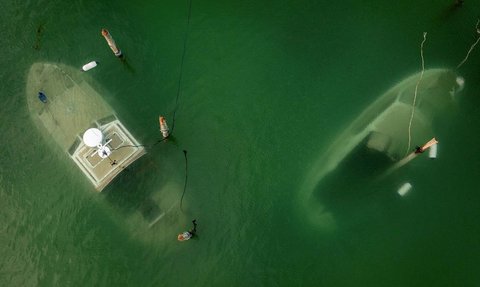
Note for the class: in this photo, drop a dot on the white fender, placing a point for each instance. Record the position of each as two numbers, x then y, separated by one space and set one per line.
404 189
89 66
432 153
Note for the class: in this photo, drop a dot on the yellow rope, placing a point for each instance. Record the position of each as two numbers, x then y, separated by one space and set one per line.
415 95
471 47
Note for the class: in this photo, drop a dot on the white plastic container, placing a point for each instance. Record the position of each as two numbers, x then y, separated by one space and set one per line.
89 66
404 189
432 153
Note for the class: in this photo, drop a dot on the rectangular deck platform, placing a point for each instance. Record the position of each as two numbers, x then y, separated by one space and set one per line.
101 171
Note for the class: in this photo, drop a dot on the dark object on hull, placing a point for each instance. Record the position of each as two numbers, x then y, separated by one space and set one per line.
42 97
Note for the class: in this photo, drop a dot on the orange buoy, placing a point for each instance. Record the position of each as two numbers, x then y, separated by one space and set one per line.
163 127
111 43
184 236
427 145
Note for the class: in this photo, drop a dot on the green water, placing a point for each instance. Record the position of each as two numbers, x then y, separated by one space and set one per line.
265 87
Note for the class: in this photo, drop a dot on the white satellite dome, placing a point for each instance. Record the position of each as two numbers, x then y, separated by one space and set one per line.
93 137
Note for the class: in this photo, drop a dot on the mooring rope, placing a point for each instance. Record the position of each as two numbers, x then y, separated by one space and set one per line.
179 82
176 105
186 178
471 47
415 94
181 63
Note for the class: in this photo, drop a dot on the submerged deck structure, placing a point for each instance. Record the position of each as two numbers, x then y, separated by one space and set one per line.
71 106
124 150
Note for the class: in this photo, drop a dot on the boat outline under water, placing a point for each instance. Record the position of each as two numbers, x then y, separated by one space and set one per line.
73 97
383 127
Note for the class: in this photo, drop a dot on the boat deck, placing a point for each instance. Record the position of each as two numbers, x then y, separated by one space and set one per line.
72 106
101 171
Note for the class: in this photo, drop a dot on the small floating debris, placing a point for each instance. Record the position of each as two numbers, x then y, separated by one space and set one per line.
404 189
89 66
432 153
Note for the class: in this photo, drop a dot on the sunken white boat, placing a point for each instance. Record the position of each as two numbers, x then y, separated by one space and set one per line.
383 128
64 105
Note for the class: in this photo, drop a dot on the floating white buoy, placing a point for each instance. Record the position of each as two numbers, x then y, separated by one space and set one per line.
404 189
461 83
163 127
432 153
89 66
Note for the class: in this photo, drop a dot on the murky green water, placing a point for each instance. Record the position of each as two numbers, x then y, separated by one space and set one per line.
265 87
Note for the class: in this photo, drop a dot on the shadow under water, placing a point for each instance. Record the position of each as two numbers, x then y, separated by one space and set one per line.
146 197
353 181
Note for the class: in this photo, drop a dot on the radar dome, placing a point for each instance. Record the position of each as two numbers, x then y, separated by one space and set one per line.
93 137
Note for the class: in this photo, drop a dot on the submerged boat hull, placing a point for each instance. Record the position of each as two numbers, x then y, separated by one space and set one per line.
384 127
72 106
